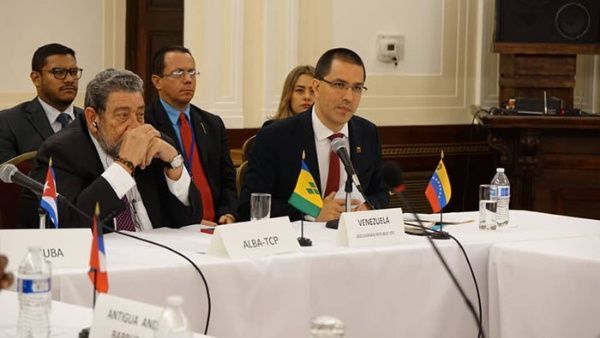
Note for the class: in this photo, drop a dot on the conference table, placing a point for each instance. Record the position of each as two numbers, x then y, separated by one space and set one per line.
545 288
391 291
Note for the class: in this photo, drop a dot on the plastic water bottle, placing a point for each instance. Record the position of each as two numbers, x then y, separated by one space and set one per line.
503 197
326 327
33 285
173 322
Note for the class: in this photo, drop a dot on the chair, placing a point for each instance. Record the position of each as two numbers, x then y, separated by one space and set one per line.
247 146
11 193
239 176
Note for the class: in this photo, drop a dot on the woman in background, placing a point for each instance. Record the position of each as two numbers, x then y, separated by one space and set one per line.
297 95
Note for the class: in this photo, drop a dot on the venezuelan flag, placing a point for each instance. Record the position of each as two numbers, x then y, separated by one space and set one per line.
438 191
306 196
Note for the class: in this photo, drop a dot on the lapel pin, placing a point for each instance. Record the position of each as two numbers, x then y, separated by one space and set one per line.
358 150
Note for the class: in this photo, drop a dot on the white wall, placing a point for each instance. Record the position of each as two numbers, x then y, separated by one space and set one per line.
245 48
94 29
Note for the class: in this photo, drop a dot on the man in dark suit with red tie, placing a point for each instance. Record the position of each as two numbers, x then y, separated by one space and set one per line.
55 75
275 158
201 136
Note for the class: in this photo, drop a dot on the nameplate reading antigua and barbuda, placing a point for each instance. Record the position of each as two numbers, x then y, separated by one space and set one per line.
254 239
65 248
121 317
371 228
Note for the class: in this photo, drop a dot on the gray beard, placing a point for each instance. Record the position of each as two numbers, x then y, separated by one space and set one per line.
111 150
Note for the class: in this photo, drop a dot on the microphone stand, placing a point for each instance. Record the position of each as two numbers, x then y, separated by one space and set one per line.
348 190
440 234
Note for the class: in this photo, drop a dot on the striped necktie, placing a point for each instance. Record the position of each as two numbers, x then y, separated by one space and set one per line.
124 218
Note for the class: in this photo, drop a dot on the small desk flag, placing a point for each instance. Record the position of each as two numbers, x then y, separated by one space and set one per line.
438 191
48 201
98 274
306 196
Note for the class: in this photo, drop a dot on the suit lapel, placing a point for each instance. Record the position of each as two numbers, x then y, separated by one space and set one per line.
308 145
356 145
37 117
201 134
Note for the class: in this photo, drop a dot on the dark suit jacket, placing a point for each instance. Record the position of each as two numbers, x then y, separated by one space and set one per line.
211 139
77 169
23 128
275 159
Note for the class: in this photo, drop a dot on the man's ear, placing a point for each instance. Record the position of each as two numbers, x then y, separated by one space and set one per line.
316 87
156 81
91 119
36 78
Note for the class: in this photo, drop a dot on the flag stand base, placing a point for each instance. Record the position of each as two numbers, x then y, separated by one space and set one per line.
304 241
439 234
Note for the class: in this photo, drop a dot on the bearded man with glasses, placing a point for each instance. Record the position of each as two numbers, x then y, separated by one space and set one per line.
55 75
278 151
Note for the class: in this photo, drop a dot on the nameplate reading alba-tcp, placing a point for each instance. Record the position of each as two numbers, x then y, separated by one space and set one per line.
65 248
254 239
371 228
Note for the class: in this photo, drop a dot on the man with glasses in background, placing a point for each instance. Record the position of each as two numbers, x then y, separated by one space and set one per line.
55 75
275 159
200 135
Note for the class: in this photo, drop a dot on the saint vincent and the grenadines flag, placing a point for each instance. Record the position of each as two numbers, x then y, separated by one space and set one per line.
306 196
438 191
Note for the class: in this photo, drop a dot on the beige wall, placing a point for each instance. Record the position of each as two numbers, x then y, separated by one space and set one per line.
245 48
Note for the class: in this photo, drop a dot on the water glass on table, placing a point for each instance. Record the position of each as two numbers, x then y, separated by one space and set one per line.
260 206
488 202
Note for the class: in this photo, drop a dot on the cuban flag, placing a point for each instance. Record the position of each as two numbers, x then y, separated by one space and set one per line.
98 274
48 201
439 191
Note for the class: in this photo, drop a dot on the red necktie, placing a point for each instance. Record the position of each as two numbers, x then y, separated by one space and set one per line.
193 163
333 178
124 219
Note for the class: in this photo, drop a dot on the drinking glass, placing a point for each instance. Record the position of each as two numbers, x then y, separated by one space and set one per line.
487 206
260 206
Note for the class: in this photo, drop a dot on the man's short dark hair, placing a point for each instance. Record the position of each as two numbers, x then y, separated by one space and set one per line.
158 60
39 57
343 54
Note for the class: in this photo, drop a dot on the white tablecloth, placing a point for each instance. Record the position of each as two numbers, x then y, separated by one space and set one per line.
395 291
546 288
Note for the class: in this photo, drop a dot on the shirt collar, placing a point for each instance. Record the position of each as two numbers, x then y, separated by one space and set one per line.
173 113
52 113
321 131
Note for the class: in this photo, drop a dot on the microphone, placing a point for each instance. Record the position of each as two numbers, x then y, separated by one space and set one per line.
338 146
9 173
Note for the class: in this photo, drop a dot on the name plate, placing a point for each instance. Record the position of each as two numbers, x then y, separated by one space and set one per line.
120 317
65 248
371 228
254 239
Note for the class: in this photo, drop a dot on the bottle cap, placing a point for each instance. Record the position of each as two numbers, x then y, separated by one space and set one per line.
326 324
174 301
499 170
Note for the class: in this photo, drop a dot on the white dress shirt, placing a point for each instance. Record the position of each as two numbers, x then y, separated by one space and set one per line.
323 147
52 113
124 185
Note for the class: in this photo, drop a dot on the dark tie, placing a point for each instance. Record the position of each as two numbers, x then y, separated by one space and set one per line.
63 119
333 178
192 159
124 218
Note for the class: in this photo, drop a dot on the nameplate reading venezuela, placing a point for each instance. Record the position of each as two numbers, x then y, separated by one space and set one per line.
371 228
65 248
254 239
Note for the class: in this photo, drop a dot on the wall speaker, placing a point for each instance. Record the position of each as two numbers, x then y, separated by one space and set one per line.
559 21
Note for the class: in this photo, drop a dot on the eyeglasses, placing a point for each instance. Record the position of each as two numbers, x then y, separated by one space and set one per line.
61 73
180 73
343 86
